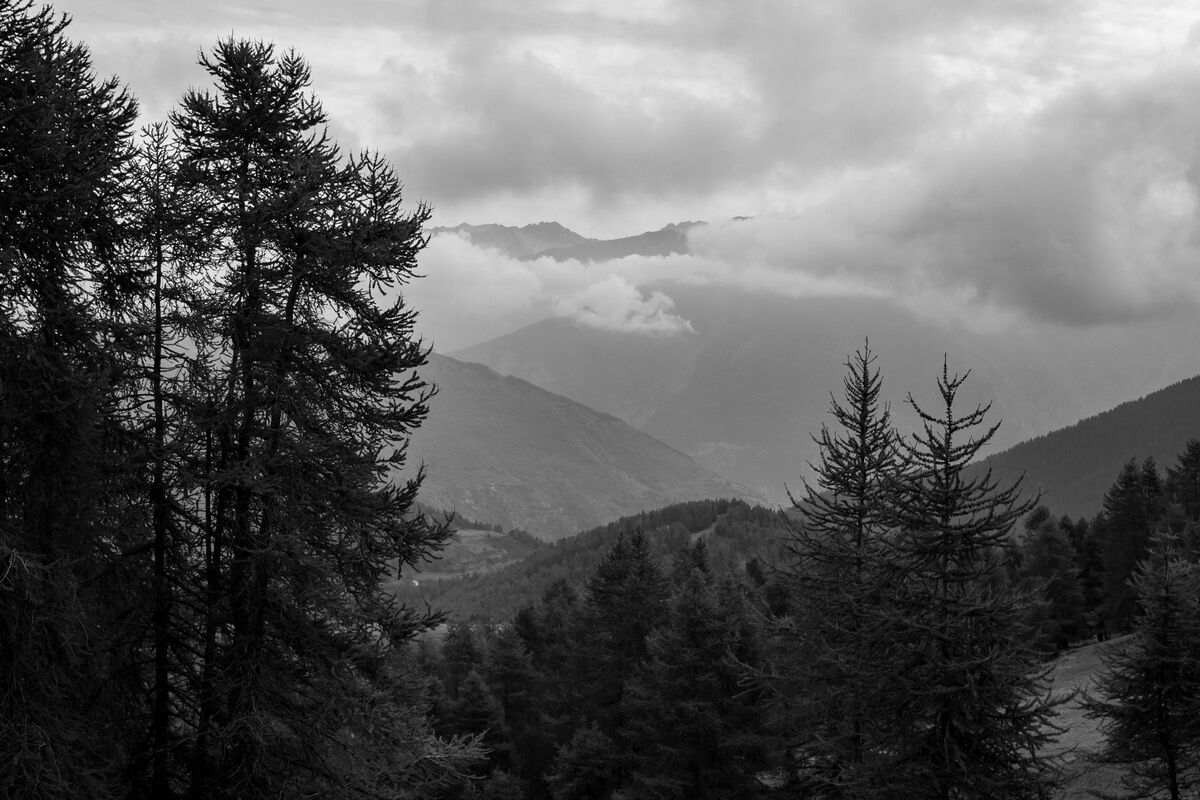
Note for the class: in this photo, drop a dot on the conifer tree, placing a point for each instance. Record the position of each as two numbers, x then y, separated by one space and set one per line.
1148 695
64 143
1182 489
970 708
310 396
1133 506
585 769
517 687
830 648
691 728
1047 568
625 600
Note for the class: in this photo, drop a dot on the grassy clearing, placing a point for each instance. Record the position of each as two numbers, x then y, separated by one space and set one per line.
1080 744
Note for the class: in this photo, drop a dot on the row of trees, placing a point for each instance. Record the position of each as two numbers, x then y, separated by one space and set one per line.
630 687
907 660
206 381
899 648
902 664
888 655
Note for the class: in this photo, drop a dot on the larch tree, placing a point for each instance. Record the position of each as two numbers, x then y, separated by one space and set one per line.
1147 696
829 649
970 703
65 139
311 391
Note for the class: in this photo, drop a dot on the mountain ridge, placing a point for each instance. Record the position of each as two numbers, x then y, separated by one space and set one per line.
1074 465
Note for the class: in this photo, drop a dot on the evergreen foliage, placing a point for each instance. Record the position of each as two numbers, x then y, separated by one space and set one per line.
64 458
624 600
206 390
1132 509
969 697
689 725
831 647
1148 697
1048 568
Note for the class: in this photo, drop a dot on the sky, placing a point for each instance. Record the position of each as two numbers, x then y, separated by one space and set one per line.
1005 163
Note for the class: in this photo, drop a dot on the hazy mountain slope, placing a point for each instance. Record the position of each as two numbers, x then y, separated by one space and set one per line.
629 375
745 392
665 241
517 242
503 450
1074 466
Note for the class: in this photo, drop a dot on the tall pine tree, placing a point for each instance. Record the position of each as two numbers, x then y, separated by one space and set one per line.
969 707
310 395
830 647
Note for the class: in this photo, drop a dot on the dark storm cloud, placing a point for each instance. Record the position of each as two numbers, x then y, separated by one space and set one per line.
1015 157
1089 214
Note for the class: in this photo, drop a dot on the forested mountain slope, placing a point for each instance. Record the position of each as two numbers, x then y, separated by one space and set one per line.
1074 466
733 530
504 451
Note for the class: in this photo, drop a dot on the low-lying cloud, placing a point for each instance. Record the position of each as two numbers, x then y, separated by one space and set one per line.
615 304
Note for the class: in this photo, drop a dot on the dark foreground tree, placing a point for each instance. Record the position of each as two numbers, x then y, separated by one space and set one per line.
64 140
829 651
1148 695
308 398
970 700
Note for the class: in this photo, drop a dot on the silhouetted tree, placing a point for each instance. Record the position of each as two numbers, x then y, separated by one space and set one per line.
625 599
830 648
311 394
586 768
970 709
65 362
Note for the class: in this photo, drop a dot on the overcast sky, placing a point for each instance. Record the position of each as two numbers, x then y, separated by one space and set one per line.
1021 160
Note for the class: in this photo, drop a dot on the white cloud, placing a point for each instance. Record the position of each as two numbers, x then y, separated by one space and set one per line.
615 304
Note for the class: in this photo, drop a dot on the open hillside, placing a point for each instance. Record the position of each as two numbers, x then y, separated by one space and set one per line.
503 450
1074 466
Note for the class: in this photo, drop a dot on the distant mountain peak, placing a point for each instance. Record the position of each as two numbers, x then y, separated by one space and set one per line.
524 242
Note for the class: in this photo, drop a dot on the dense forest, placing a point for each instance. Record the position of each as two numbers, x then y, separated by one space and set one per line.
208 376
890 635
